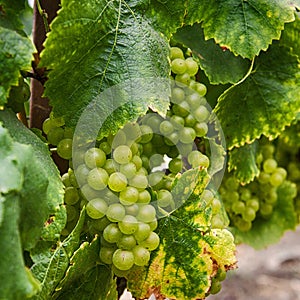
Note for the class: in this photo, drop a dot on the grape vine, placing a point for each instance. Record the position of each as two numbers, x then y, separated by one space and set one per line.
173 136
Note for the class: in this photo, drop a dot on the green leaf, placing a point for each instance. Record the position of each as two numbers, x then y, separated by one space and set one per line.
244 27
166 16
93 47
72 241
15 55
85 279
242 161
220 66
49 267
291 135
45 164
266 232
23 212
15 281
189 252
269 99
185 262
291 35
10 14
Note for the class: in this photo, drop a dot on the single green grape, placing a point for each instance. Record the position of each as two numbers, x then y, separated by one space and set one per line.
112 233
97 179
151 242
187 135
192 66
71 196
144 197
141 255
64 148
139 181
95 157
115 212
176 52
178 66
270 165
55 135
128 225
123 259
129 195
96 208
142 232
164 198
175 165
117 182
147 213
122 154
106 254
126 242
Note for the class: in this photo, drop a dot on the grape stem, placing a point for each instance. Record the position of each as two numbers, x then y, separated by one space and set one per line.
44 15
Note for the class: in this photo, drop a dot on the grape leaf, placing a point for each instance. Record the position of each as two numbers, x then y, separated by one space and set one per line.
291 135
50 265
166 16
244 27
291 36
220 66
22 215
265 232
93 47
84 278
55 187
189 252
10 14
15 55
242 161
269 98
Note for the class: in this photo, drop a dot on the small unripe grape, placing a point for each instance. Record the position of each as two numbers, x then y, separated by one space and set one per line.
270 165
126 242
176 52
122 154
117 182
94 157
98 179
146 213
96 208
106 254
71 196
128 225
141 255
151 242
115 212
178 66
129 195
112 233
123 259
192 66
64 148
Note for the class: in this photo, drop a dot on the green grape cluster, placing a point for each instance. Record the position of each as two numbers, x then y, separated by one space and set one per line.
74 201
58 135
126 179
244 203
289 156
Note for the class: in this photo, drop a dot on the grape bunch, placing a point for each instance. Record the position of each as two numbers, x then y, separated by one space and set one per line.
59 135
244 203
125 179
289 155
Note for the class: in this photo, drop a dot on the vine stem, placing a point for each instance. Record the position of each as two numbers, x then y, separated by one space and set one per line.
44 15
